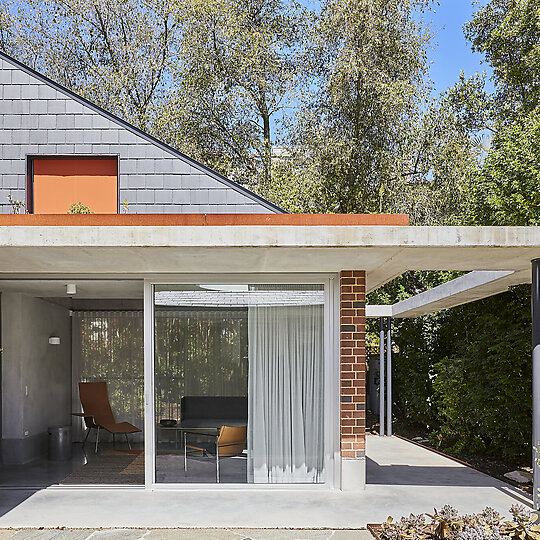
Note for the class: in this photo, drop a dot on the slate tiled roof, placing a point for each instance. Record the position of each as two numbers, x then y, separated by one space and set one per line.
41 118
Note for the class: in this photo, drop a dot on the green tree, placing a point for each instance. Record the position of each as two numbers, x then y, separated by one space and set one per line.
368 136
238 68
508 189
507 33
438 168
369 60
117 54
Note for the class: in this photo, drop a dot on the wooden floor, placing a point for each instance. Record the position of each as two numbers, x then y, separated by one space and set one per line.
124 467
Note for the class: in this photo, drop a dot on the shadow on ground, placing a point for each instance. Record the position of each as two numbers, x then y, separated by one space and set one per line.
431 475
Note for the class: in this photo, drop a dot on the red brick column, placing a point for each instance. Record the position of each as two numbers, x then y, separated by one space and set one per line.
353 362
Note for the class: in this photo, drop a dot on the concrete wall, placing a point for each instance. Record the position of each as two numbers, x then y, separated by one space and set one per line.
37 119
36 376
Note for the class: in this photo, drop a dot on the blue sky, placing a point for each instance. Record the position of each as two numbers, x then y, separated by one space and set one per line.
451 52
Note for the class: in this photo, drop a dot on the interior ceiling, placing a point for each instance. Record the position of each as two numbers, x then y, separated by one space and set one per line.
86 289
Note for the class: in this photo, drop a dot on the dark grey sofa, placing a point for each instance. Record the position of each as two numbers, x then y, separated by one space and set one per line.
213 411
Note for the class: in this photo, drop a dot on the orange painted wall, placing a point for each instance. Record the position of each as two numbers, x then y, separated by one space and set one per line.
203 220
58 183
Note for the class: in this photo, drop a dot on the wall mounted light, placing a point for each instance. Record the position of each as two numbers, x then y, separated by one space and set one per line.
71 289
54 340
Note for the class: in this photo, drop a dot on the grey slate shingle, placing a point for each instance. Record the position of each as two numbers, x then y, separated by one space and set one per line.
39 119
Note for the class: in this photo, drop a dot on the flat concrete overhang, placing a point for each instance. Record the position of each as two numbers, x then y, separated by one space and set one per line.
384 251
462 290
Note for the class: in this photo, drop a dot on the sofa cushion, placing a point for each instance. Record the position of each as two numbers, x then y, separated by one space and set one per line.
220 410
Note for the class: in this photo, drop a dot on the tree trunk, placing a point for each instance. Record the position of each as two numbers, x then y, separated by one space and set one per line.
267 174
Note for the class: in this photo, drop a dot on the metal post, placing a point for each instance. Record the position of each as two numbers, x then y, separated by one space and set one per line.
381 376
185 452
535 311
389 376
217 458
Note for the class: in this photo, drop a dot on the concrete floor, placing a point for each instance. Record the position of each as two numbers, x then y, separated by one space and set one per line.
43 473
402 478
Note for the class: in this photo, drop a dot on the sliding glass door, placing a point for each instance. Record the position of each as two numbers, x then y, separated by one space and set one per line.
239 383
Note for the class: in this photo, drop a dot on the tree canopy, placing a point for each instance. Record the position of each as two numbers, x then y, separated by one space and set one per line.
117 54
441 355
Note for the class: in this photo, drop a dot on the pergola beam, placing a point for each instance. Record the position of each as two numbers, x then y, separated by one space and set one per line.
462 290
468 288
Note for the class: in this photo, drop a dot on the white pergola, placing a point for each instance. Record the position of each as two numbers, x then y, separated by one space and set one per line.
470 287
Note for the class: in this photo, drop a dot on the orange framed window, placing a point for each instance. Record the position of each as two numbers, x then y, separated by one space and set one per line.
57 183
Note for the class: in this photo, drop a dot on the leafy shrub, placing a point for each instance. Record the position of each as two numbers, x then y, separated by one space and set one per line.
482 386
414 395
464 376
79 208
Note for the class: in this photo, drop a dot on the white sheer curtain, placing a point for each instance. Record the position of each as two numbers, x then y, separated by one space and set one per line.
199 352
286 394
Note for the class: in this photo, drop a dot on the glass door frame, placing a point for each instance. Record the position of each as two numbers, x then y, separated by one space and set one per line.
332 455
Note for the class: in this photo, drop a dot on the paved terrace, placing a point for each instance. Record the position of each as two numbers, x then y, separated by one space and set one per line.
402 478
183 534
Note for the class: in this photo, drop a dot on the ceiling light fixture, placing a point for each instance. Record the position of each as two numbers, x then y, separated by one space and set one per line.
71 289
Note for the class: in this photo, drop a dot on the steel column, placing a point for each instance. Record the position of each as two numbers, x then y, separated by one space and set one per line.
389 376
381 376
535 311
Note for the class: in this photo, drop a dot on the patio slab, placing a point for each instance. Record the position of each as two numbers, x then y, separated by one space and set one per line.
402 478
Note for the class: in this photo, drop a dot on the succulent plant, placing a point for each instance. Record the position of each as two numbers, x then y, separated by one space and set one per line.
447 524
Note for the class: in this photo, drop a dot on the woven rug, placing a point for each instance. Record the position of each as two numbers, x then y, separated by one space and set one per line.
110 467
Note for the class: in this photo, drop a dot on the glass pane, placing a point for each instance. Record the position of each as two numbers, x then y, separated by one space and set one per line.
239 379
108 350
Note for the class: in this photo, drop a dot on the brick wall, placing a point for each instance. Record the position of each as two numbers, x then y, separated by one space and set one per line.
353 362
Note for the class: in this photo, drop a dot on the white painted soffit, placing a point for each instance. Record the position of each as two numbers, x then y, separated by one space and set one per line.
374 311
462 290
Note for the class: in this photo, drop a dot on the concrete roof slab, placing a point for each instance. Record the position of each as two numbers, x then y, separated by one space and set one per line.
383 251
